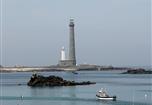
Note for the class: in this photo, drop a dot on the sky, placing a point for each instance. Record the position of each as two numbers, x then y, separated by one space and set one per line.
107 32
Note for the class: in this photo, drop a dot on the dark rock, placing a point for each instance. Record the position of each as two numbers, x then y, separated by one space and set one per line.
39 80
137 71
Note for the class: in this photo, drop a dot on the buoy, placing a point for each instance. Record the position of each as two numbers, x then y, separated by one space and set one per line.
21 97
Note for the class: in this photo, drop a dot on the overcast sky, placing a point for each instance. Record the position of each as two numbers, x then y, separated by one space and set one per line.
107 32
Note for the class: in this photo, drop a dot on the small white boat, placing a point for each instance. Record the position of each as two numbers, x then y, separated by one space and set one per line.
102 95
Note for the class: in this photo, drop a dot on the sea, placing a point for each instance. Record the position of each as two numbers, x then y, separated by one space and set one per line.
130 89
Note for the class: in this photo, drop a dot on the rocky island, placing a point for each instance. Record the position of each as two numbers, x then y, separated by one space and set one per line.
137 71
39 80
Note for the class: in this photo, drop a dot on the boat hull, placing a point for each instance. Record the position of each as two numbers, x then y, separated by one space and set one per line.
107 98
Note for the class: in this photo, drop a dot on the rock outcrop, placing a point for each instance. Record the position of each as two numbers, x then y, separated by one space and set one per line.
39 80
137 71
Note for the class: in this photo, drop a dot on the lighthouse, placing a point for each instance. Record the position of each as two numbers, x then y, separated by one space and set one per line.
72 57
70 61
63 54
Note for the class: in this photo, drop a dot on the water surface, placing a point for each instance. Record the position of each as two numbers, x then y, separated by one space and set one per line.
129 89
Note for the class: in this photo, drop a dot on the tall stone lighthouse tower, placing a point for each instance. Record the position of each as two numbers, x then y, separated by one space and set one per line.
71 60
72 57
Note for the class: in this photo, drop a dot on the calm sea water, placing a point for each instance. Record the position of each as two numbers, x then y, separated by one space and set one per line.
129 89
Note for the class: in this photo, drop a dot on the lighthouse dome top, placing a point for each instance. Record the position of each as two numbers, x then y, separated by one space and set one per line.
71 20
63 48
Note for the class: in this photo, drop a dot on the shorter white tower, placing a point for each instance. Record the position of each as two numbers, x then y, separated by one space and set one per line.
63 54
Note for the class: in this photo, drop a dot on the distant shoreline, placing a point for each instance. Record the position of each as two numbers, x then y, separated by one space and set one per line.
58 69
50 70
63 68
